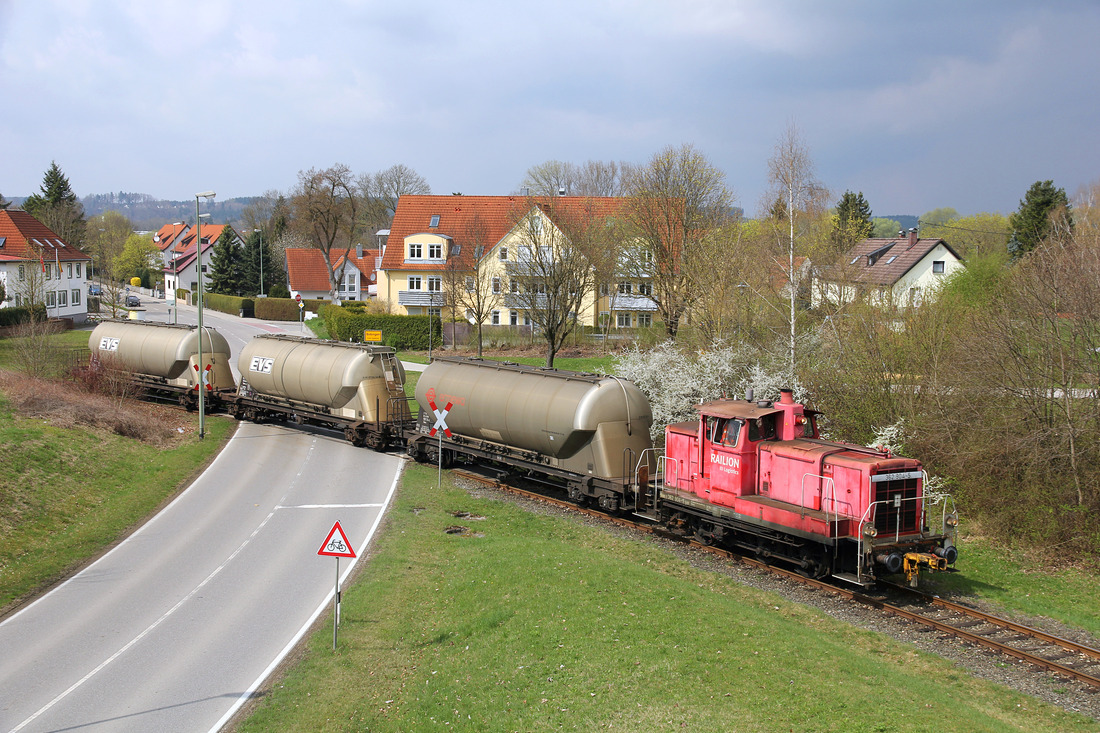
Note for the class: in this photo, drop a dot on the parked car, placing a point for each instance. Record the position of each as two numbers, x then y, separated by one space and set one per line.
132 301
94 289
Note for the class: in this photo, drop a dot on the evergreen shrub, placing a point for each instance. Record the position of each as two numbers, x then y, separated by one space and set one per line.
408 333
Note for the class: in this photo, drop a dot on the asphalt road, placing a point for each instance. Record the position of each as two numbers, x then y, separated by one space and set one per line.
176 627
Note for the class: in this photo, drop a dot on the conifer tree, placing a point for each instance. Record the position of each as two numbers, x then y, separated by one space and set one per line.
225 264
852 220
1040 209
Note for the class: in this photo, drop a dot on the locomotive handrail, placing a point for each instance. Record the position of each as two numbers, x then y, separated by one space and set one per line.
832 495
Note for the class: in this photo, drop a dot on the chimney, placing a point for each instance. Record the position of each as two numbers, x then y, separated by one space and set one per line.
359 251
912 236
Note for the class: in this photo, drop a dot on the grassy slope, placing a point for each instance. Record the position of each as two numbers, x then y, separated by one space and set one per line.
68 493
539 623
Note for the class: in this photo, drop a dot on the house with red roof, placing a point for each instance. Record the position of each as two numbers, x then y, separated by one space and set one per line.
37 266
356 276
900 270
471 239
169 238
182 255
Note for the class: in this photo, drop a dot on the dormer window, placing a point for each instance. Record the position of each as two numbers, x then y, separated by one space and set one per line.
435 251
435 221
416 251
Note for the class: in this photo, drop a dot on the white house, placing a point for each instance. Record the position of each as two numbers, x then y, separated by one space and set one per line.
900 270
37 266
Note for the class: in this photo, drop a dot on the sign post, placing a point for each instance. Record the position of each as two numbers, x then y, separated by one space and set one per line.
441 428
336 545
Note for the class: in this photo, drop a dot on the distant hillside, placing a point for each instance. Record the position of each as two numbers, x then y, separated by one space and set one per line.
907 221
150 214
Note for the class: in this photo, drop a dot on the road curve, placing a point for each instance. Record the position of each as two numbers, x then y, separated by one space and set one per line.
176 627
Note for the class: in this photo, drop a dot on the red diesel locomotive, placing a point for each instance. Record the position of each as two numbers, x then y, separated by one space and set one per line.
756 475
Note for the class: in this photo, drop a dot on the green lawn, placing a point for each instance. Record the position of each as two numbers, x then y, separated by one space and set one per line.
531 622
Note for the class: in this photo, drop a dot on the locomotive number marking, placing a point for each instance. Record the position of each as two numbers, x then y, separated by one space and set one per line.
108 344
261 364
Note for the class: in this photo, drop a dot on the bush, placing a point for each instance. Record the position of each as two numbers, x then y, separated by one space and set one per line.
399 332
278 290
22 314
228 304
278 309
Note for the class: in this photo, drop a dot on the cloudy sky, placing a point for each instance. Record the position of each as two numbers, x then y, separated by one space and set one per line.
917 105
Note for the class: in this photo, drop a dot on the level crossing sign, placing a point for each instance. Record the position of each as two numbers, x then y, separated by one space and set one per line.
336 544
440 418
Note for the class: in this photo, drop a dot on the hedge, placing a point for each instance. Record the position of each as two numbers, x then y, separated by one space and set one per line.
284 309
400 332
21 314
228 304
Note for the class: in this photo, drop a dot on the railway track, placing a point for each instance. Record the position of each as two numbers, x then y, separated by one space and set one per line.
1033 646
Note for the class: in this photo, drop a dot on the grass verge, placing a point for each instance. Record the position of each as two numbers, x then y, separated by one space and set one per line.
69 493
531 622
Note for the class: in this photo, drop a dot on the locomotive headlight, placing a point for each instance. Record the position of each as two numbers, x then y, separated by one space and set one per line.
869 531
952 520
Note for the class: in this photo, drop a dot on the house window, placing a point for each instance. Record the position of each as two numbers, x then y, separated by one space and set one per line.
626 288
604 316
435 284
469 284
513 285
51 299
526 319
435 313
604 289
62 298
645 320
416 251
76 296
495 318
22 273
536 224
496 284
414 282
504 252
645 288
434 222
513 318
48 270
937 267
78 269
435 251
622 320
18 300
70 269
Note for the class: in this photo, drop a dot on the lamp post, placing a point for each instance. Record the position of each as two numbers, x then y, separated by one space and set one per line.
261 233
198 266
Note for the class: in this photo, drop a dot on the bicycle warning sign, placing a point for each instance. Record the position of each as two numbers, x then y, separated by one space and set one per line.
336 544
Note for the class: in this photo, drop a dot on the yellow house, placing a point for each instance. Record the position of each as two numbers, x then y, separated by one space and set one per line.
473 254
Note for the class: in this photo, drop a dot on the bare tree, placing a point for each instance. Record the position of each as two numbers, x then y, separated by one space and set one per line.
677 201
326 206
380 192
593 179
552 272
791 173
472 286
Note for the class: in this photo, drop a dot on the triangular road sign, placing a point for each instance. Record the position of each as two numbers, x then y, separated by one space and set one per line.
336 544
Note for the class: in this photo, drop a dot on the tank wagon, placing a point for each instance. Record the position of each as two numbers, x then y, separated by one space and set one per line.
164 359
585 432
358 388
756 475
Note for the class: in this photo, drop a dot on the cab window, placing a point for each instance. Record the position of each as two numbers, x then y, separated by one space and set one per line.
762 428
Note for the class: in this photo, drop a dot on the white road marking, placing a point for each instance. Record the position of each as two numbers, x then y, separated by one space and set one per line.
247 695
170 611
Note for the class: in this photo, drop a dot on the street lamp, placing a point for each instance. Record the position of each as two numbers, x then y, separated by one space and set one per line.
261 232
198 265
